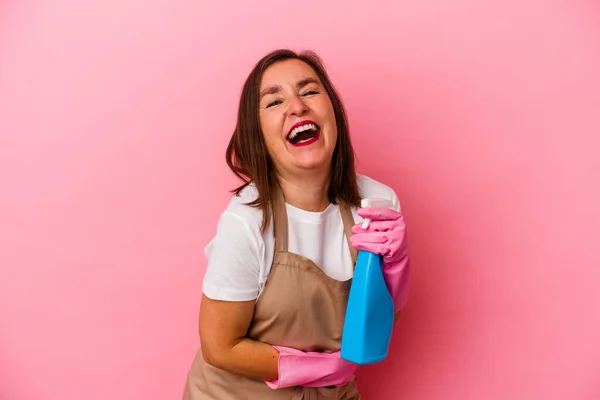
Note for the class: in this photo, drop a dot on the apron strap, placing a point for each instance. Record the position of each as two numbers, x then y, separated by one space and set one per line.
348 221
280 222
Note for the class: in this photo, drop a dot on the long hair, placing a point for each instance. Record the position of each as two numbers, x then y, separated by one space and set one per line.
247 154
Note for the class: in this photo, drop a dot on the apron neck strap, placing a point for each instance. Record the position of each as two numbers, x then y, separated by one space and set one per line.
280 221
348 221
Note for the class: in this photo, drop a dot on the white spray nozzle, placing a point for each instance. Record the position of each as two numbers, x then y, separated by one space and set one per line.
374 202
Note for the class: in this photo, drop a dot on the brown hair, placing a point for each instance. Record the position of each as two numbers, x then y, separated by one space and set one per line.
247 154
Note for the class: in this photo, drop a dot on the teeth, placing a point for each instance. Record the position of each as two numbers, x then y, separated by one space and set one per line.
301 129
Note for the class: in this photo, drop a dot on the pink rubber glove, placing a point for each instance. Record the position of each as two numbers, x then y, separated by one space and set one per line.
386 235
311 369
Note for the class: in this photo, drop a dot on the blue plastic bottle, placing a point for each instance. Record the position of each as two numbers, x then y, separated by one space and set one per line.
370 311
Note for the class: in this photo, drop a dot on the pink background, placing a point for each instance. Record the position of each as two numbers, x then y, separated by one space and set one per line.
484 116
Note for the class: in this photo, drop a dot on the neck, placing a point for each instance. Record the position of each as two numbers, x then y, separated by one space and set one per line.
306 193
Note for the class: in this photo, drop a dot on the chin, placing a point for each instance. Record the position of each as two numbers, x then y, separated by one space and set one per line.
314 164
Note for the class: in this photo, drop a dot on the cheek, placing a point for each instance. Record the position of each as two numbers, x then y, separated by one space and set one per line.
272 140
332 125
328 113
267 132
270 128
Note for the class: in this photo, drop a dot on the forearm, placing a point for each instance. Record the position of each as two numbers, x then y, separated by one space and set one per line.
249 358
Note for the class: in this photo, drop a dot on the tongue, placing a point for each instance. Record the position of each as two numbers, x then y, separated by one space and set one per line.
304 135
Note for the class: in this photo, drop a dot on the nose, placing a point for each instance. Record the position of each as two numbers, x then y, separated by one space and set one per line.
296 106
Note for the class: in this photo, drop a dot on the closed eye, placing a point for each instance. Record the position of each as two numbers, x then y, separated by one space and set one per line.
277 102
273 103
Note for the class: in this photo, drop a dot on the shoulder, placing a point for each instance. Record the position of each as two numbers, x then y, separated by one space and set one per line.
240 223
235 254
239 210
371 188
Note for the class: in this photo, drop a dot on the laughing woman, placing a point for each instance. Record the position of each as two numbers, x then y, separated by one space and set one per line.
281 262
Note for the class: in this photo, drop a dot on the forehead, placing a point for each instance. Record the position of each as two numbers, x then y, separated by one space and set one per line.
287 72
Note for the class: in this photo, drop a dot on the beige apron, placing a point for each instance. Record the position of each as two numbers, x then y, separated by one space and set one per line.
300 307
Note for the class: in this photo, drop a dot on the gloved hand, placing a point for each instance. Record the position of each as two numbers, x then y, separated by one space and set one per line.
386 235
311 369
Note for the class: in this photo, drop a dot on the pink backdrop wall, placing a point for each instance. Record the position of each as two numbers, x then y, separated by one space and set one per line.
484 116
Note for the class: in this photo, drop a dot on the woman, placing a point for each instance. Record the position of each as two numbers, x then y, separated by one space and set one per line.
280 266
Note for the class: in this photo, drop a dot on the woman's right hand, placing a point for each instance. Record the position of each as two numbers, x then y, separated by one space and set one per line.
311 369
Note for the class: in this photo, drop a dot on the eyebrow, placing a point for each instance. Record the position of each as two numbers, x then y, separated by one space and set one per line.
277 88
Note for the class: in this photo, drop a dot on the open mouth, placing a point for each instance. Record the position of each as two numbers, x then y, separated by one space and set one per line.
304 133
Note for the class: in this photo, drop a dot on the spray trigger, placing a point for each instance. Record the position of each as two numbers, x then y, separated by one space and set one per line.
374 202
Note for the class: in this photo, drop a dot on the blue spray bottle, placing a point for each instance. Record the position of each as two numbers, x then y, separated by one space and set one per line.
370 311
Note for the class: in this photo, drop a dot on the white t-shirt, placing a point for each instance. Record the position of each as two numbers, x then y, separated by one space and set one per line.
240 257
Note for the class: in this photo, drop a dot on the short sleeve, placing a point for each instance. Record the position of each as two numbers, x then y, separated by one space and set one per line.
396 202
232 272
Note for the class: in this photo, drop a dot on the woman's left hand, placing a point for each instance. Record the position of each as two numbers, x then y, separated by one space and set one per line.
386 235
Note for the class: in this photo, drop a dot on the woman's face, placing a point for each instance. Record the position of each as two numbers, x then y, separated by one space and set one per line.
296 118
